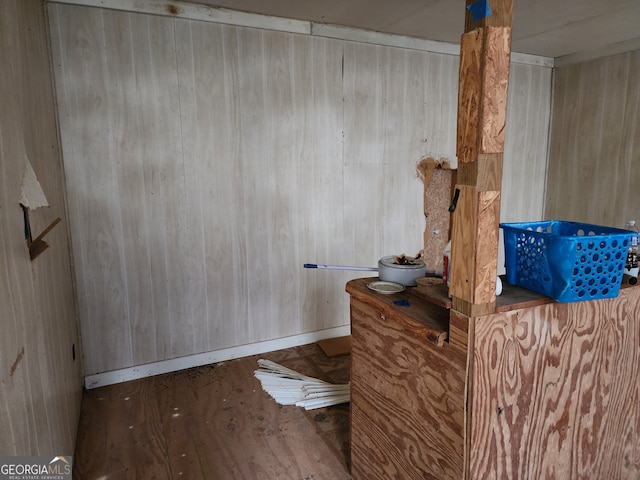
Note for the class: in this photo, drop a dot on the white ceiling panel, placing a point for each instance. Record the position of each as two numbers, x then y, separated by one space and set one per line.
550 28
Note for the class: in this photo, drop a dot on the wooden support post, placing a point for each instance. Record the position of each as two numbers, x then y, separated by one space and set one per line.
482 106
475 226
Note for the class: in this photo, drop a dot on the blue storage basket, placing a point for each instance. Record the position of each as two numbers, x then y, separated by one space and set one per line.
566 261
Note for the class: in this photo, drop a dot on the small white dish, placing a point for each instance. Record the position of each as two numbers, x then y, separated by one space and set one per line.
385 287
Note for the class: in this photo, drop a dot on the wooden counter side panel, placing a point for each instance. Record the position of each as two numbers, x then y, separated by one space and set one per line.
407 408
556 391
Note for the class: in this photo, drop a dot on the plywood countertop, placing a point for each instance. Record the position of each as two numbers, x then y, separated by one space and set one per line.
425 309
512 297
424 318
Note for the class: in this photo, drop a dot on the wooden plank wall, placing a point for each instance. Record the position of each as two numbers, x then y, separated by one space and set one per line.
206 163
594 155
40 383
556 391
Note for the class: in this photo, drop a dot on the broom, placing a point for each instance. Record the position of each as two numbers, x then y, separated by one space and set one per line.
288 387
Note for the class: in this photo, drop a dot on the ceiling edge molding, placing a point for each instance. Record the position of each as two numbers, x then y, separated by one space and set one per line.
412 43
192 11
384 39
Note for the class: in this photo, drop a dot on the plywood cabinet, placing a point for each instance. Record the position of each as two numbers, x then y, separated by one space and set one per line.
537 390
407 389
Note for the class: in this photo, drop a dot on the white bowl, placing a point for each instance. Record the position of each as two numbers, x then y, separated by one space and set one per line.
403 274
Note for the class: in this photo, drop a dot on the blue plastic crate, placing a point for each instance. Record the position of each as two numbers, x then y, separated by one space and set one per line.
566 261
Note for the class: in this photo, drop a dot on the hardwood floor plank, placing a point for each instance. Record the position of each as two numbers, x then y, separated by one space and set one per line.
214 422
120 434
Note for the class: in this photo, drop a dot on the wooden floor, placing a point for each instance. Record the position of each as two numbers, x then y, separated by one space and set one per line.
214 423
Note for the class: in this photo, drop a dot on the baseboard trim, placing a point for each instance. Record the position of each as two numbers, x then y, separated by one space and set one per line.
222 355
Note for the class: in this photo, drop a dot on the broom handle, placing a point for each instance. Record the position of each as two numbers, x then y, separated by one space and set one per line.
340 267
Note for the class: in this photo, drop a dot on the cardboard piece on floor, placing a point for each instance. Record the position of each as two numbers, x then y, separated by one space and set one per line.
336 346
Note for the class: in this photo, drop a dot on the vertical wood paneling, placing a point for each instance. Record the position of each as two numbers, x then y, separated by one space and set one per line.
595 142
272 276
524 167
526 143
208 98
127 194
206 163
158 230
398 109
319 197
41 384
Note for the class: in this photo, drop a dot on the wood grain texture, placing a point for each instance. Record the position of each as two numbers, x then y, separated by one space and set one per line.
207 163
121 432
495 85
462 337
207 199
482 95
214 422
407 407
40 383
474 256
473 279
398 110
420 318
485 173
487 247
594 145
461 331
524 167
470 95
464 228
555 391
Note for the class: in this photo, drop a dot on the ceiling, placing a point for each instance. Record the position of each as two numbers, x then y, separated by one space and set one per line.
550 28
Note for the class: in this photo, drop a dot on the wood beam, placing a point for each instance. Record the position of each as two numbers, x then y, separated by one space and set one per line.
475 230
482 94
485 50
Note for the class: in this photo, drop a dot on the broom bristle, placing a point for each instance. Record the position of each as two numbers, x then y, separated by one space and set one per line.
288 387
